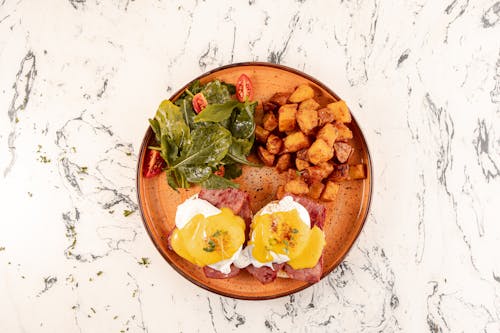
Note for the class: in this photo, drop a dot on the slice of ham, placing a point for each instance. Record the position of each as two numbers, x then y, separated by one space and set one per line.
265 274
215 274
316 211
311 275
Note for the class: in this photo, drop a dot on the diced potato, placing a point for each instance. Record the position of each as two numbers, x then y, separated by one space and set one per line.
292 174
317 173
340 112
328 133
280 192
320 152
357 171
309 104
302 93
266 157
269 107
344 132
325 116
307 120
280 98
258 114
302 154
326 168
273 144
330 192
284 162
296 186
269 121
261 134
340 173
301 164
342 151
295 142
315 190
286 117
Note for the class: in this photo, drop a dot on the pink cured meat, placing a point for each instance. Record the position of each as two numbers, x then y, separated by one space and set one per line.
311 275
215 274
265 274
234 199
316 211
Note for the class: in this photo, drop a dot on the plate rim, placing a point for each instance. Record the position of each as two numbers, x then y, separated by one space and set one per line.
149 133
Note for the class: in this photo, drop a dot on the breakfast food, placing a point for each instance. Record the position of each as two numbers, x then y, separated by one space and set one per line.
296 132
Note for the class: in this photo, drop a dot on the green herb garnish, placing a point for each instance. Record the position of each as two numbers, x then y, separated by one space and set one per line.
210 247
127 212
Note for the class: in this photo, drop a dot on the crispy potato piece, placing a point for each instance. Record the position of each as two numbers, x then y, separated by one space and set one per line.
286 117
320 152
301 164
325 116
261 134
342 151
296 186
269 121
330 192
317 173
273 144
340 112
328 133
280 98
307 120
266 157
309 104
340 173
326 168
357 171
344 132
269 107
292 174
302 154
259 113
284 162
295 142
302 93
315 190
280 192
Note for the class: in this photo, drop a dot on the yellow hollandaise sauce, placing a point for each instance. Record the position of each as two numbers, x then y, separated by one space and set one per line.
285 233
208 240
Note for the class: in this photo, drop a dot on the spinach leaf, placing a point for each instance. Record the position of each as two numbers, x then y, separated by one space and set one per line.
208 145
196 173
239 150
195 87
216 112
232 171
230 87
217 182
216 93
243 125
186 107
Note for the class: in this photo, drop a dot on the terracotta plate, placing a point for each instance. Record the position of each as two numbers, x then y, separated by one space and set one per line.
345 216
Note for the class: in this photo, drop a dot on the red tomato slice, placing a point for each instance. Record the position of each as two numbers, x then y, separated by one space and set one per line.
220 171
153 163
244 88
199 102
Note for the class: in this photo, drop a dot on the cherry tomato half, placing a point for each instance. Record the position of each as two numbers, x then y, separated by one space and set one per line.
199 102
244 88
153 163
220 171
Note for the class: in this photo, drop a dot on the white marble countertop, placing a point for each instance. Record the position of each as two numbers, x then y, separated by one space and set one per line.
79 78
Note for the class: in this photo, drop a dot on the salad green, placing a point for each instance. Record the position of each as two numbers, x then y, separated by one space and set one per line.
194 146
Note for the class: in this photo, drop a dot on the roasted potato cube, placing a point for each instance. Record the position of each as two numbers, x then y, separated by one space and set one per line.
328 134
269 107
280 192
279 98
292 174
284 162
261 134
330 191
344 132
307 120
286 117
302 93
295 142
273 144
340 173
340 112
309 104
302 154
357 171
296 186
326 168
258 114
269 122
301 164
266 157
325 116
320 152
317 173
315 190
342 151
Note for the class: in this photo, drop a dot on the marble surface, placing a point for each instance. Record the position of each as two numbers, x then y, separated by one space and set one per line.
79 78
